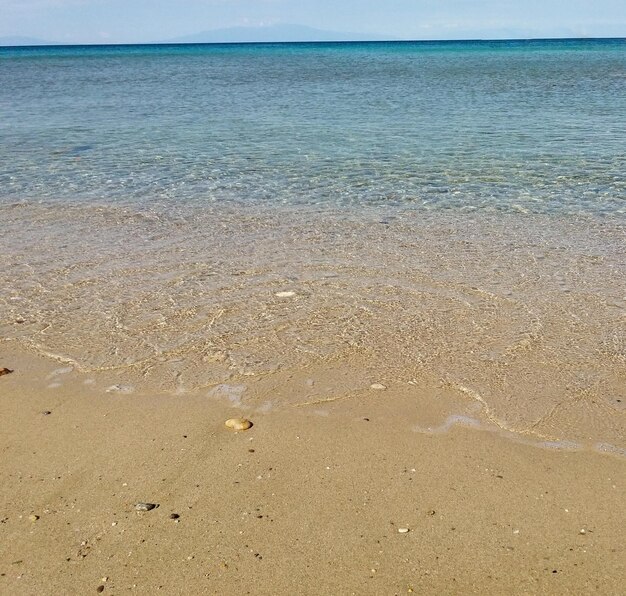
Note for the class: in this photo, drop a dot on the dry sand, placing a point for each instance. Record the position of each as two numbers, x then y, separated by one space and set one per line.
310 500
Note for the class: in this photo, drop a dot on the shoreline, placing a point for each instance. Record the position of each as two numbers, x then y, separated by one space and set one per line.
436 406
310 499
521 317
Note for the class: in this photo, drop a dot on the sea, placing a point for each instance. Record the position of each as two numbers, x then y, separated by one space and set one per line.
432 214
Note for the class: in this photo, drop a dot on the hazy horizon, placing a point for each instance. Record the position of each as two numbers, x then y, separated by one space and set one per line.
140 21
276 34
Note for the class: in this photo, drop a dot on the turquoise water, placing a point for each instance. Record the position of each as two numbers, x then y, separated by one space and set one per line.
532 126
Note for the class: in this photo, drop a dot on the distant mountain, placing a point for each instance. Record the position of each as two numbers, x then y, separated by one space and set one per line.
273 33
502 34
24 41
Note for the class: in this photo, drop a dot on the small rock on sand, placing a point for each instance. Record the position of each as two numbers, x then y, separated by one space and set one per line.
378 386
5 371
145 506
403 530
33 518
288 294
238 423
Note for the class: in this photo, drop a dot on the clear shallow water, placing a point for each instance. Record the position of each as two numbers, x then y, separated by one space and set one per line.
155 200
523 126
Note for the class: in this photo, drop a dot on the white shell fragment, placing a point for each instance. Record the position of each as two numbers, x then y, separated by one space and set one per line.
124 389
288 294
403 530
378 386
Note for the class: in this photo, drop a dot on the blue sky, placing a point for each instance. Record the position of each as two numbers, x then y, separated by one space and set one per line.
127 21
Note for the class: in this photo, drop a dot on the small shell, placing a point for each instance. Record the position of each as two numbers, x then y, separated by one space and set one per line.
145 506
288 294
238 423
403 530
378 386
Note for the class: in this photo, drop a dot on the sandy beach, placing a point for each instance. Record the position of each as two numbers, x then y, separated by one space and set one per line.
310 500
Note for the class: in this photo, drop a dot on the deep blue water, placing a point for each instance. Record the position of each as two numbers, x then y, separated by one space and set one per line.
531 126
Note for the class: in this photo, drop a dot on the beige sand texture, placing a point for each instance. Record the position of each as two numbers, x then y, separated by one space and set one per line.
310 500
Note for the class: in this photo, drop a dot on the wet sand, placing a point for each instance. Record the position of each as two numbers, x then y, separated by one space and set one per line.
310 500
522 316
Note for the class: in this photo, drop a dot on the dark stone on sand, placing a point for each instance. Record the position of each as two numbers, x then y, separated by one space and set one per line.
5 371
46 412
100 589
174 516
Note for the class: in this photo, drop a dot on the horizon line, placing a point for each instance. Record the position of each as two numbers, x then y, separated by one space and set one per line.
45 44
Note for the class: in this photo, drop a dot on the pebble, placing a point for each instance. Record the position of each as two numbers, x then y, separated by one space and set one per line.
100 589
238 423
46 412
583 531
5 371
285 294
145 506
33 517
403 530
174 516
378 386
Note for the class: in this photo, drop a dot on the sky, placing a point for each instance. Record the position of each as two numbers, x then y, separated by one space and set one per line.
140 21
